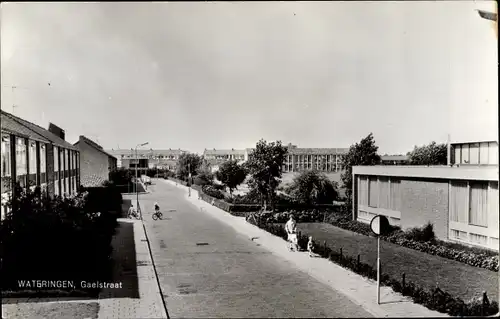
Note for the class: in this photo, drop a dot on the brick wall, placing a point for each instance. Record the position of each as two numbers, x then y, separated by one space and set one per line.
94 165
424 201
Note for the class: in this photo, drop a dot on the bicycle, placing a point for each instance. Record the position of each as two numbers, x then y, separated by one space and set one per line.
157 215
133 214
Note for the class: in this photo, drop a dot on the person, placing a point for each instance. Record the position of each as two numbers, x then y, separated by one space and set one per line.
131 211
310 247
291 230
157 207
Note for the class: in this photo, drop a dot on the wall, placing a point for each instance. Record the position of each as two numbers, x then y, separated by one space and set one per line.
50 170
423 201
94 165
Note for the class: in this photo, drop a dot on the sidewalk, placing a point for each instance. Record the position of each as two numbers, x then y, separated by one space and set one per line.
360 290
140 296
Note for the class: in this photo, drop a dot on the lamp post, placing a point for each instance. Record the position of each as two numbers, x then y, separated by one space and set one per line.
189 180
136 171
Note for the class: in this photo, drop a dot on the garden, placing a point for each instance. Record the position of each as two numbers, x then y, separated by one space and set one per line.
311 198
58 239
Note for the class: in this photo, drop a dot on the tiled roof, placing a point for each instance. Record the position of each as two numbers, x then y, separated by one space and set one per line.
154 152
13 127
394 158
95 145
317 151
56 140
224 152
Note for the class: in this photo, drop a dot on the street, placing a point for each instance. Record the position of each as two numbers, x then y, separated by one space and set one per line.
206 269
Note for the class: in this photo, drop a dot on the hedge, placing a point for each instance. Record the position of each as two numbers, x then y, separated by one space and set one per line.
434 299
57 239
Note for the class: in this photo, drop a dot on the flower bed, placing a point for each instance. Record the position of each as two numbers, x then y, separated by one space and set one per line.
474 257
434 299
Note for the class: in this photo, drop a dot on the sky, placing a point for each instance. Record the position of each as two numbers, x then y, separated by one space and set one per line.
199 75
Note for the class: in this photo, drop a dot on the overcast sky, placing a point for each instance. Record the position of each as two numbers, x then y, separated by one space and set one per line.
223 75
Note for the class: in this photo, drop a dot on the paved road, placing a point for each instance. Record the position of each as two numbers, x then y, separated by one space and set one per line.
206 269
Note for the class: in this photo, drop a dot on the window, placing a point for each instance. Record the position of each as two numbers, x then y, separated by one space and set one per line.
459 199
474 154
395 191
43 164
493 205
465 154
384 193
493 153
372 192
32 163
363 191
6 159
478 204
478 239
21 169
483 153
457 234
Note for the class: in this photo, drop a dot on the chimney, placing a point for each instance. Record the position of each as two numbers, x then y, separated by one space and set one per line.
56 130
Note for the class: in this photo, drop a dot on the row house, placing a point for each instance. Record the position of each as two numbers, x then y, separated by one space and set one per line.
145 159
96 163
214 158
33 156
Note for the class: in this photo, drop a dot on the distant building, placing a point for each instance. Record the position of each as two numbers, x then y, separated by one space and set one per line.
96 163
297 159
34 156
213 158
394 160
161 159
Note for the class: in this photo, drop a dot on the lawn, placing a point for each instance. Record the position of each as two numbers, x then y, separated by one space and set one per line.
426 270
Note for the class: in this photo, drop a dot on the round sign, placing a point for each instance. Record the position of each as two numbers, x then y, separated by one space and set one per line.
379 225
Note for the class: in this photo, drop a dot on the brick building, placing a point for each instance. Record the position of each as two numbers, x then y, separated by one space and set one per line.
34 156
96 164
461 202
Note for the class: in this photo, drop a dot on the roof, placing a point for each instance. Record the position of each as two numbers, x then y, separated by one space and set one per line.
485 173
94 145
13 127
224 152
153 152
317 151
394 158
54 139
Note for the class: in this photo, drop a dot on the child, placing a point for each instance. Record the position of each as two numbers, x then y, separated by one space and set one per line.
310 247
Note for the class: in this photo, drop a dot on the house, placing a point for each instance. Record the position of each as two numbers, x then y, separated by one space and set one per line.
215 157
394 160
96 164
34 156
145 159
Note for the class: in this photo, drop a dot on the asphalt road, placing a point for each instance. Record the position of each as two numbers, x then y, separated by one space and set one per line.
206 269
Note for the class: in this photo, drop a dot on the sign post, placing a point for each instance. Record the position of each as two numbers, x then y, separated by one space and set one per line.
379 226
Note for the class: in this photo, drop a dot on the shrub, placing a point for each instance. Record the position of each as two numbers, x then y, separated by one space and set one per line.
313 187
203 178
55 239
212 191
421 234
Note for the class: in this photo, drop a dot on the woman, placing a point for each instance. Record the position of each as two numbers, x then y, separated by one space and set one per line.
291 230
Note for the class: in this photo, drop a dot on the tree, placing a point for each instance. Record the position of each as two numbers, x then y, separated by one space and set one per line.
120 176
230 174
362 153
265 167
313 187
432 154
188 163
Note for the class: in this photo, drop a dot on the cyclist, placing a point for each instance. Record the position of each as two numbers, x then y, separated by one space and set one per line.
157 207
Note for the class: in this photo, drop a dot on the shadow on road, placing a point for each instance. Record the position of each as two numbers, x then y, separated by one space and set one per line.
124 263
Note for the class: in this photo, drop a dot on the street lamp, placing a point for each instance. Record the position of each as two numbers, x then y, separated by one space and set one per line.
136 170
189 180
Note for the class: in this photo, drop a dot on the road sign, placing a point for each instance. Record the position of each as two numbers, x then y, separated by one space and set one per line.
379 225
